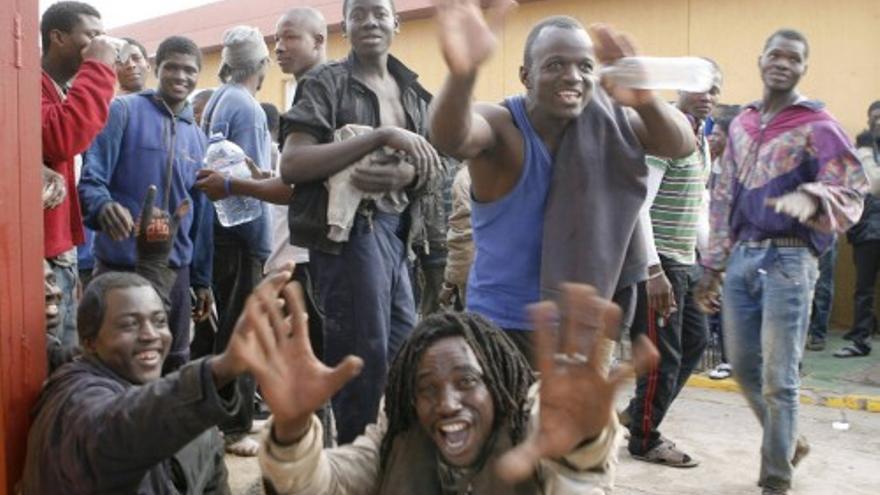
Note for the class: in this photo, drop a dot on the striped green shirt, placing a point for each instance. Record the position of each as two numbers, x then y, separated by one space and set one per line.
676 210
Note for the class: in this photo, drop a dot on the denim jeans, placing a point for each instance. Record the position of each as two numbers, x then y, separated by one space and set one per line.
65 278
823 295
367 299
767 297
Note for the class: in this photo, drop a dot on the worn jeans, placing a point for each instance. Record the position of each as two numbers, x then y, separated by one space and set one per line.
65 279
367 298
767 296
823 295
681 340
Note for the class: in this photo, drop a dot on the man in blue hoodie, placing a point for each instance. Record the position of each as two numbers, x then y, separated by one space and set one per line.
151 138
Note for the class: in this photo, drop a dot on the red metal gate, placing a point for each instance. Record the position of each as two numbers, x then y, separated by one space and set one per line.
22 340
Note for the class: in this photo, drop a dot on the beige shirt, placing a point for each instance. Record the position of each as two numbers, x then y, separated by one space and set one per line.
306 468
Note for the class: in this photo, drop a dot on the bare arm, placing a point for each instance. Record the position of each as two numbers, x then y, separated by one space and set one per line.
455 128
272 190
663 130
305 160
467 40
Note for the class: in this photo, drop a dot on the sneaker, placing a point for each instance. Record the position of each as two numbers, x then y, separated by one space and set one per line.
815 344
721 372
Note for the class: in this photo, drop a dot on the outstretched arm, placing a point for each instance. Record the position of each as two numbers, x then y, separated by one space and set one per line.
662 130
467 40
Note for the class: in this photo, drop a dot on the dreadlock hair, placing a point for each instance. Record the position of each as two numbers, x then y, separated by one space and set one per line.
507 373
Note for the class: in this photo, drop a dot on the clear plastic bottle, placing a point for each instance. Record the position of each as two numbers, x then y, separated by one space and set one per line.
227 158
691 74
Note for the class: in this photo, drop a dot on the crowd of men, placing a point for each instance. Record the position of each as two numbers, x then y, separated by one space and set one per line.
429 298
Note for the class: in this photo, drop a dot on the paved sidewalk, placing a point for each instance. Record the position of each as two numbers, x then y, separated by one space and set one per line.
718 428
852 383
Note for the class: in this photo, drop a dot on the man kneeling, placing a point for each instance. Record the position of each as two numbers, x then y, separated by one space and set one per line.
460 411
109 423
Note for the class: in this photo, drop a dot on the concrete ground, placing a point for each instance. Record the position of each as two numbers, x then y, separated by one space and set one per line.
718 428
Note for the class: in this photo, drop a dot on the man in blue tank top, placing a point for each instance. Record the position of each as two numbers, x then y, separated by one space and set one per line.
510 147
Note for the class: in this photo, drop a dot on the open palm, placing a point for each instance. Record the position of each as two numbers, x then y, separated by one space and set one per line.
276 350
577 393
467 38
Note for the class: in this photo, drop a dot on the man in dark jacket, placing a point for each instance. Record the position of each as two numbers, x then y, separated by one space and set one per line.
865 240
107 422
363 283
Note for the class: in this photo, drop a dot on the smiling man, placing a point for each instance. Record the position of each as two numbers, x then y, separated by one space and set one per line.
790 179
363 283
151 138
108 422
515 149
463 412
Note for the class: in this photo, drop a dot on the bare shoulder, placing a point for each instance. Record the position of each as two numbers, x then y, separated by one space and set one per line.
500 120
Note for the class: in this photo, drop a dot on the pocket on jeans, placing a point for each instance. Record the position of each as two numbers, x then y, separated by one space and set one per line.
792 264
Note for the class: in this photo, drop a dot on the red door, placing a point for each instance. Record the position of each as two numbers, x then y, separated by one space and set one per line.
22 340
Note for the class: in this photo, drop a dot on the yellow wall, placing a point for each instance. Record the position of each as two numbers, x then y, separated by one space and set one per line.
844 70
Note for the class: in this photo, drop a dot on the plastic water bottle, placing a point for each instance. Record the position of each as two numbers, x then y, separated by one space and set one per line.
691 74
227 158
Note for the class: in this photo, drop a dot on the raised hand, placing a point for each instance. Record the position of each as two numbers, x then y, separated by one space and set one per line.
155 228
155 232
467 39
576 395
611 46
275 348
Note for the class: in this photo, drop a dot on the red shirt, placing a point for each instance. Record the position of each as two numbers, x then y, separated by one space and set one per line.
69 126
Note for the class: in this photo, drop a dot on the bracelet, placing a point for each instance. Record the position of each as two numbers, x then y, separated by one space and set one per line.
656 275
227 185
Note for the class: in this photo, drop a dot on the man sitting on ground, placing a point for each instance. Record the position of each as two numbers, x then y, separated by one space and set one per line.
460 410
107 422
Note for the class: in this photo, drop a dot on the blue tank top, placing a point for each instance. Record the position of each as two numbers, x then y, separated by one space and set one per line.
505 277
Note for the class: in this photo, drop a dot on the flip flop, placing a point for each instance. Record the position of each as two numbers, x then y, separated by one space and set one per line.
667 454
850 351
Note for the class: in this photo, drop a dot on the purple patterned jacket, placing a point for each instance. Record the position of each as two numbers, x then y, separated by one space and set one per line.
802 148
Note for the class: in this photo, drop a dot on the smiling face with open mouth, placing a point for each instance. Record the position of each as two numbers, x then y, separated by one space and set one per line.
134 337
559 74
453 404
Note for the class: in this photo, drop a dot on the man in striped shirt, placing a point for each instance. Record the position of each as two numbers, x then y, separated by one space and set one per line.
666 311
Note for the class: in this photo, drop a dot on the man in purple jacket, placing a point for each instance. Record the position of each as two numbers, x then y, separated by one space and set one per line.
790 179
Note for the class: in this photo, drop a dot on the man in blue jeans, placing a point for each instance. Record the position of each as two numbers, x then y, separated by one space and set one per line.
789 180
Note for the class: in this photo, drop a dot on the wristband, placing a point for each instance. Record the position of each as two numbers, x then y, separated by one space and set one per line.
227 185
655 275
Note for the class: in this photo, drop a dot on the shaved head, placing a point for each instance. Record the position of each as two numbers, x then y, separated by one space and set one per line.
306 18
300 40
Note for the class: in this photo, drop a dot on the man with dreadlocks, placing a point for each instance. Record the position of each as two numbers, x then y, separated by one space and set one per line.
460 412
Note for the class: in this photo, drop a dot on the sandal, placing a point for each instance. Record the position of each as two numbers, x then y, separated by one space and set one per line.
667 454
850 351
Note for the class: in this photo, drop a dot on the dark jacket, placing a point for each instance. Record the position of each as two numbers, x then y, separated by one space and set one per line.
95 433
868 228
328 98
